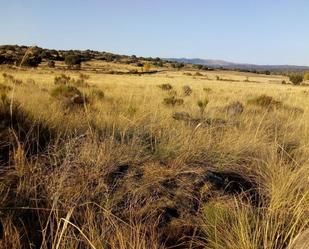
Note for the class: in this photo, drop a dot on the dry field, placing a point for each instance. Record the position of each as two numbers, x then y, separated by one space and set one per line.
127 161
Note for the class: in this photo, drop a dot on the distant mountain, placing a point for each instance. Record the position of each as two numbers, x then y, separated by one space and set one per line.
239 66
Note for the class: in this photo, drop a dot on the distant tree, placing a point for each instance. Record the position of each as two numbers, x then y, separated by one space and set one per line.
73 61
267 72
296 78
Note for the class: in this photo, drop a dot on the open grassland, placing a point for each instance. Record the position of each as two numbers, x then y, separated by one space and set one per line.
127 161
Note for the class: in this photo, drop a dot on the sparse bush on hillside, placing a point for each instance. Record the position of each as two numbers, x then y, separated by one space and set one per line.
296 78
198 74
73 61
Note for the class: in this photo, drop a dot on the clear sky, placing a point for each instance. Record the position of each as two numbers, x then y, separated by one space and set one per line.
249 31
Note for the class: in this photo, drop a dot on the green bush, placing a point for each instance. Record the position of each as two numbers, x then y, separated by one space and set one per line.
296 78
65 91
73 61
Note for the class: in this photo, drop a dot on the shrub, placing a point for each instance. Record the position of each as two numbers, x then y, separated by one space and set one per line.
65 91
73 61
198 74
187 90
202 105
296 78
265 101
62 79
172 101
306 76
283 82
166 87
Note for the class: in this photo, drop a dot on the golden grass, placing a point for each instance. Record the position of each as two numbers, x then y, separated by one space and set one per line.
120 172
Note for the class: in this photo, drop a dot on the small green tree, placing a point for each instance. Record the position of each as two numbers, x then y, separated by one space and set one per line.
296 78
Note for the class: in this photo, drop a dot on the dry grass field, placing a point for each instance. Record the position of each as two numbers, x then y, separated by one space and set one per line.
175 159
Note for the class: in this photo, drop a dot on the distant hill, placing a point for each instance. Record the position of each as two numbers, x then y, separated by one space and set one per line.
239 66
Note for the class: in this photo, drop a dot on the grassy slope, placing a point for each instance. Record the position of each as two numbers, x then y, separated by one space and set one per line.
120 172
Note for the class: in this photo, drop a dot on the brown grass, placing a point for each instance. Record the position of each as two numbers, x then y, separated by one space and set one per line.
120 172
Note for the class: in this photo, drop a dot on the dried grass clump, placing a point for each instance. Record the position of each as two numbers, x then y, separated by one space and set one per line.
166 87
62 79
207 89
265 101
173 101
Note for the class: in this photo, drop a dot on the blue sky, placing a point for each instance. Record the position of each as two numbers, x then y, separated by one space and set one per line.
249 31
